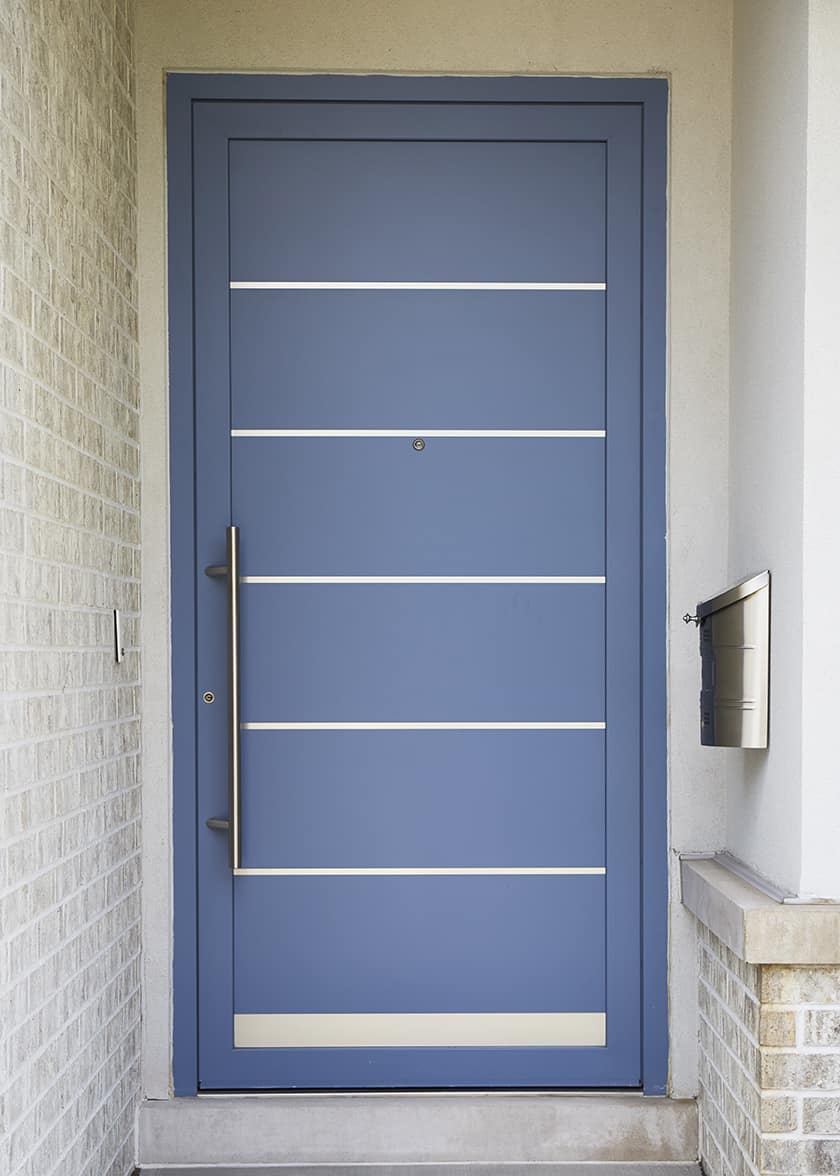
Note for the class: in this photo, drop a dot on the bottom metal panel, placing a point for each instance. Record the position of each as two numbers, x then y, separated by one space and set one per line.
376 1030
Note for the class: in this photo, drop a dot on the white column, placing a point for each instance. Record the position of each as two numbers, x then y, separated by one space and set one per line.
820 869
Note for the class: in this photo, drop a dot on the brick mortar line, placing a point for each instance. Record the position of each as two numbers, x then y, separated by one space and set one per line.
748 1166
103 725
96 1157
65 274
80 890
803 1050
92 962
804 1006
39 383
76 529
64 734
36 243
732 975
57 349
33 144
116 84
132 443
86 767
77 894
31 878
756 1127
63 611
127 1105
109 320
31 423
66 277
105 687
85 810
753 1039
746 1159
78 1014
738 1061
54 780
726 1168
63 565
78 1100
47 646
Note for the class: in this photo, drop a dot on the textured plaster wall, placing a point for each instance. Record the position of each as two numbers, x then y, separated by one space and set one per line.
784 809
687 41
768 281
821 550
69 553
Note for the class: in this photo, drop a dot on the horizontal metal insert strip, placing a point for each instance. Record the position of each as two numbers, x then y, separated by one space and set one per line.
423 726
399 871
407 1030
597 434
418 285
422 579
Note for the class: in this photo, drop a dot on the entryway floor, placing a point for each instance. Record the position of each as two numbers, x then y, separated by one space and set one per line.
536 1169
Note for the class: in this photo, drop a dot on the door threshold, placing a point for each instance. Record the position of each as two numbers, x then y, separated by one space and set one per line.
410 1130
438 1093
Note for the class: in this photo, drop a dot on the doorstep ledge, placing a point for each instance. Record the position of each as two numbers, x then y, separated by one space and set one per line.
756 927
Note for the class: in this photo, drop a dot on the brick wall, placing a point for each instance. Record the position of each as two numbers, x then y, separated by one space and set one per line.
69 546
769 1065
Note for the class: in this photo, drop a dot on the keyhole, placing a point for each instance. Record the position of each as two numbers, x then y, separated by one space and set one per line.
418 443
209 696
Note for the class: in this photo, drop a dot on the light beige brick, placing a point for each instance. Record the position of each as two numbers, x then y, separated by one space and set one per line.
777 1027
821 1116
821 1027
789 985
778 1114
796 1157
788 1070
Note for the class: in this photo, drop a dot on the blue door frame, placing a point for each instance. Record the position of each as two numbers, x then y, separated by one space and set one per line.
649 97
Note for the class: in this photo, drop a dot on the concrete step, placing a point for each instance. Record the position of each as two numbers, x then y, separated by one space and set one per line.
612 1169
343 1134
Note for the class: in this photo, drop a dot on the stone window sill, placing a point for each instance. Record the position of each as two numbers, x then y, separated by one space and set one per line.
759 929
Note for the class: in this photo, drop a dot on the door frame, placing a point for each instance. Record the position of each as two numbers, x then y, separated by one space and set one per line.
650 95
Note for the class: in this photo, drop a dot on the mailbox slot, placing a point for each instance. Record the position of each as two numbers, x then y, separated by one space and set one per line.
735 655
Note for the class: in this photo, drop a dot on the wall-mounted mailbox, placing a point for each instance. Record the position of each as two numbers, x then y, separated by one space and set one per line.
735 655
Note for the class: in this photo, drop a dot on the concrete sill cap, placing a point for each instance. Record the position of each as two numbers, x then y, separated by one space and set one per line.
758 928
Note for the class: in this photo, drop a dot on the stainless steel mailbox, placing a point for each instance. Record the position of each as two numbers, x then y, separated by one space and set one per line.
735 656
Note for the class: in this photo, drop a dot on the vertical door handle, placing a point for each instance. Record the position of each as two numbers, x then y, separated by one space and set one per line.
230 571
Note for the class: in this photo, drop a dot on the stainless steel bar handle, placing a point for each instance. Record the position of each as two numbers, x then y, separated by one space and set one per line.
234 758
233 823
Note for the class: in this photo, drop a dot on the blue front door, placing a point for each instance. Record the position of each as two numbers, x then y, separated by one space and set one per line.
418 422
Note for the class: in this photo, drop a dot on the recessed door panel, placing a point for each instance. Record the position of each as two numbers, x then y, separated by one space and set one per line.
460 506
417 211
414 943
423 798
350 359
403 653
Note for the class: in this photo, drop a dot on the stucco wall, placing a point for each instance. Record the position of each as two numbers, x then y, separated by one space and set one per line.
768 282
69 540
690 43
821 469
784 808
